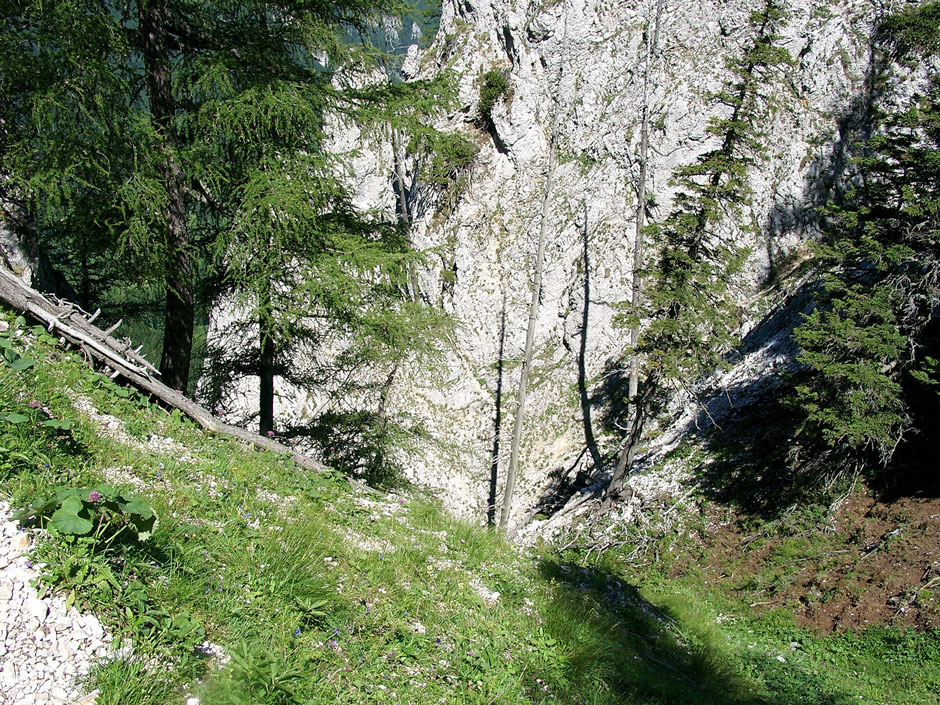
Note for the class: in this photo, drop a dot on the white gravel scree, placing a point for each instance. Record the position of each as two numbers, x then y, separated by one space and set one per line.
46 649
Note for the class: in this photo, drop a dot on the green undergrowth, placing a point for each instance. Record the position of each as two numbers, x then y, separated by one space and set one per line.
763 650
260 584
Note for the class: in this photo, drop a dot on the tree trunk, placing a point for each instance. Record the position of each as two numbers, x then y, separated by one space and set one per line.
635 413
529 340
533 313
266 379
180 310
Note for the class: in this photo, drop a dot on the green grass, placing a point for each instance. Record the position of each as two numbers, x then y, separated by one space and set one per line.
319 593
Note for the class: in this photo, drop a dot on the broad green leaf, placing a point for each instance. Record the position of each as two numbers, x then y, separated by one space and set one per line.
22 364
137 506
68 518
107 491
15 418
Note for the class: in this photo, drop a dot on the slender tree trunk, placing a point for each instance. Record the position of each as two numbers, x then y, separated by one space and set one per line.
635 413
266 377
529 341
180 294
533 313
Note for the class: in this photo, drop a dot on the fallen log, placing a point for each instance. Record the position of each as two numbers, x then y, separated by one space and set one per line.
72 325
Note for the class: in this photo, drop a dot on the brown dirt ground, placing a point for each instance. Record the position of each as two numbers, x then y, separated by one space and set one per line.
875 563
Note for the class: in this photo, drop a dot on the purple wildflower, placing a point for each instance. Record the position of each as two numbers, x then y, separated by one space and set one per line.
94 496
159 474
270 434
438 640
34 404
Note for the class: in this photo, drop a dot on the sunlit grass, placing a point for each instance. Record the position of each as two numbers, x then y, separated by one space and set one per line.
318 593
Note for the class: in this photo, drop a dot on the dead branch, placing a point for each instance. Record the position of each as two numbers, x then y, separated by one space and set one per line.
75 327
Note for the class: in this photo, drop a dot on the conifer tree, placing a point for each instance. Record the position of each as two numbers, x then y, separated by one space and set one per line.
870 347
194 134
689 312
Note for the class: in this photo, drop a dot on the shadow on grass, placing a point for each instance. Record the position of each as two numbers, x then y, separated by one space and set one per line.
632 651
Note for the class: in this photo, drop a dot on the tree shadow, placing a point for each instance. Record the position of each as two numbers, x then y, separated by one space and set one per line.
631 650
497 418
568 480
583 396
749 428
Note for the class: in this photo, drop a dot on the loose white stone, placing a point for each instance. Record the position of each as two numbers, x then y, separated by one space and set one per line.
44 646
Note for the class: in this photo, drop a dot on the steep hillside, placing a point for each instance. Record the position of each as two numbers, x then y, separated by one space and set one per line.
259 584
591 70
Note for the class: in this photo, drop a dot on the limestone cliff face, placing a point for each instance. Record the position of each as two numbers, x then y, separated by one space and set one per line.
587 59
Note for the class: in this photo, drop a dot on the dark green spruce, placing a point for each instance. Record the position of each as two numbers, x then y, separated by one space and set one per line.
870 348
689 308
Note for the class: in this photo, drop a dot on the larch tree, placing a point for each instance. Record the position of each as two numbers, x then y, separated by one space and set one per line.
191 138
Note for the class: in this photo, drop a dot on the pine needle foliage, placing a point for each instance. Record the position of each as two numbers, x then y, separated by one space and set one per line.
691 303
239 155
690 311
869 348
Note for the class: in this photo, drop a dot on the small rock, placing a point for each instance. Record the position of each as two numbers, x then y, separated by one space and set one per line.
20 542
781 659
93 628
37 609
6 590
89 699
794 645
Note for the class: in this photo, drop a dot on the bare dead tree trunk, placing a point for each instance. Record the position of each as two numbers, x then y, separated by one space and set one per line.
180 310
636 414
533 308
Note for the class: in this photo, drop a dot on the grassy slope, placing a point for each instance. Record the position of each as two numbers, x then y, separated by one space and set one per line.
323 594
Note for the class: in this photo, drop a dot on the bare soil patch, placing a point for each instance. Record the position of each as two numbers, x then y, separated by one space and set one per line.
871 563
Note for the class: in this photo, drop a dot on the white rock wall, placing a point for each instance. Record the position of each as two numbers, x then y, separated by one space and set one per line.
585 58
